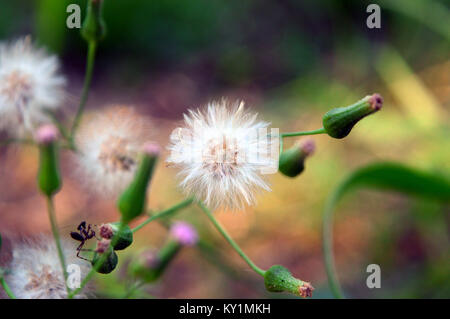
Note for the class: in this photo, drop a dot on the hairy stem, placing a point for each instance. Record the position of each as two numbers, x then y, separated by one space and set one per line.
54 226
92 46
301 133
236 247
6 288
164 213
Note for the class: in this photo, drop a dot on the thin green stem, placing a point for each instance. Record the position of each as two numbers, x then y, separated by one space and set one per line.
236 247
92 46
328 247
301 133
133 288
18 141
6 288
164 213
98 264
54 226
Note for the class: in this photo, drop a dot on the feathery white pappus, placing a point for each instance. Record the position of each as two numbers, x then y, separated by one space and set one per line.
109 144
35 271
223 153
30 84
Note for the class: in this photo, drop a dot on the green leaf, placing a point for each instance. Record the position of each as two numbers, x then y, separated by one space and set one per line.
383 176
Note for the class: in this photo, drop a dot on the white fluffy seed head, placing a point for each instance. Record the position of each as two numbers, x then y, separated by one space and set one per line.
109 144
223 153
35 271
30 84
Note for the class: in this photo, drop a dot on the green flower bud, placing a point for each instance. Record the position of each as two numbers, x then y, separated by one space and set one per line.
49 177
124 239
292 161
94 27
339 122
132 201
280 279
109 264
151 265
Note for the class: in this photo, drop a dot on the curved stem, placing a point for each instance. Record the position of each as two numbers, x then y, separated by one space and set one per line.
54 226
6 288
301 133
92 46
164 213
328 247
236 247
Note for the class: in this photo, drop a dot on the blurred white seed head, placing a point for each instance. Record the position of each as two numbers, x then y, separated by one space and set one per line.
223 152
30 83
35 270
110 143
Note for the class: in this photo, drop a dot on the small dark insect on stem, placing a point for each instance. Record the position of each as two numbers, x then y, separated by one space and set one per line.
83 235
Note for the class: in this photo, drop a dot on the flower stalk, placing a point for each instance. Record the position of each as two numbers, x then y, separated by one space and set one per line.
92 46
8 290
167 212
55 232
233 244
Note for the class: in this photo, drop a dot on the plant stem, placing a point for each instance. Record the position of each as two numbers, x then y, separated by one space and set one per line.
328 247
313 132
236 247
54 226
133 288
6 288
99 262
92 46
164 213
18 141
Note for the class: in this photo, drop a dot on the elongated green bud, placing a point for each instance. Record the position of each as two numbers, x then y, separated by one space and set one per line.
132 201
49 177
151 265
280 279
108 264
339 122
94 27
124 239
292 161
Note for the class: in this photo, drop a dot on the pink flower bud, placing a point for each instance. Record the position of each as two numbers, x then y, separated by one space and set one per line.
184 233
103 245
106 231
46 134
308 146
151 149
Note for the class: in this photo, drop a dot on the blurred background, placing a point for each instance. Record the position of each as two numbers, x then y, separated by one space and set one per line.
290 61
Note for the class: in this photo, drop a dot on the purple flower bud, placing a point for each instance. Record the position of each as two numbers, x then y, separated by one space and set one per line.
46 134
103 245
151 149
184 233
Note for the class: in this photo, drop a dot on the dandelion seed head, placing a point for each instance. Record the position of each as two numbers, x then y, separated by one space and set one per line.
30 84
35 270
222 152
110 143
